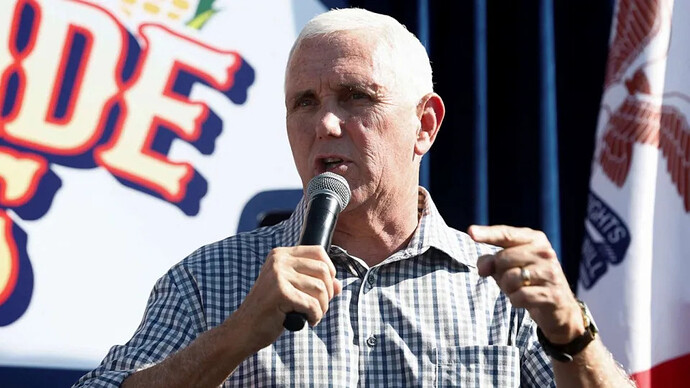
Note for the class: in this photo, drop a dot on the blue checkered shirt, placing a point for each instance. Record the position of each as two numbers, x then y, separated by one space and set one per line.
423 317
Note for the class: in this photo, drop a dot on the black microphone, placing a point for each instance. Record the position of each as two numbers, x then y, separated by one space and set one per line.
328 195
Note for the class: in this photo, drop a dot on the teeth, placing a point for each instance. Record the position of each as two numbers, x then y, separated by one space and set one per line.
332 160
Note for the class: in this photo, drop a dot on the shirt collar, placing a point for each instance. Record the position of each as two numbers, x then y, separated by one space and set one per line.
432 231
292 227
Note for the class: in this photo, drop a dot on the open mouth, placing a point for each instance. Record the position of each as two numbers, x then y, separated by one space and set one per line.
331 163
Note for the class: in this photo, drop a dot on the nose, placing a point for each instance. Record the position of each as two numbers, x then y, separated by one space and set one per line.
330 124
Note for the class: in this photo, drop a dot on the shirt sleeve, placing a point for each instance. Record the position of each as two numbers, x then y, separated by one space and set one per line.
166 327
535 366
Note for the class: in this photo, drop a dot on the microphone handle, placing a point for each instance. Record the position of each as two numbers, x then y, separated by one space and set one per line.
319 223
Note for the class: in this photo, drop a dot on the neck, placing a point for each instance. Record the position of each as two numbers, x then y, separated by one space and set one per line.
374 233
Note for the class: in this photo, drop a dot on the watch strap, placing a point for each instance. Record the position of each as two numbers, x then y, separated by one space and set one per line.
565 352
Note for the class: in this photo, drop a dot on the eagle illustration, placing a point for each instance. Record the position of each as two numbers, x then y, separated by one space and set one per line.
659 125
639 118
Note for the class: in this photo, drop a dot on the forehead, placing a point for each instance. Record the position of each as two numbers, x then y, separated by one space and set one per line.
343 57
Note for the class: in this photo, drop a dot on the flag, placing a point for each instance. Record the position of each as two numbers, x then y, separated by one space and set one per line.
635 268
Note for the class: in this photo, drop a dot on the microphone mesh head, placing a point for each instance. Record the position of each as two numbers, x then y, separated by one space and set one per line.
329 182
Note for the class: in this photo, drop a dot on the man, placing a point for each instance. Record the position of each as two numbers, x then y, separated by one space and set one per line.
400 299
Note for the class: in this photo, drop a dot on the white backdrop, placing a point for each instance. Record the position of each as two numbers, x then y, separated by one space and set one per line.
101 245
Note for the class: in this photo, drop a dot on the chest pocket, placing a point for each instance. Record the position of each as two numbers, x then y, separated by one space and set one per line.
478 366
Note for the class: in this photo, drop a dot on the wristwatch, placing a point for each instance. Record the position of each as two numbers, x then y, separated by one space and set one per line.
565 352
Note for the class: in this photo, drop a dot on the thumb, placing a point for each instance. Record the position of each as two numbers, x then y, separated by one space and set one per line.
486 265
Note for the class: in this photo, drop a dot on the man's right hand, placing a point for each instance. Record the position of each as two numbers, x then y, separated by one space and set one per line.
300 279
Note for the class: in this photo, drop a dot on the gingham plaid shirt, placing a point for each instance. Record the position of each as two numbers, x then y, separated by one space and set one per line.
423 317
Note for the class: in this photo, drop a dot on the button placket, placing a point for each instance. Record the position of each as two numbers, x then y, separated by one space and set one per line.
370 280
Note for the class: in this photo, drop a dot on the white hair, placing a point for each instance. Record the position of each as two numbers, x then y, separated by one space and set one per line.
408 53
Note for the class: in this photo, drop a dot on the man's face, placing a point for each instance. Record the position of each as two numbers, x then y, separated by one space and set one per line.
348 113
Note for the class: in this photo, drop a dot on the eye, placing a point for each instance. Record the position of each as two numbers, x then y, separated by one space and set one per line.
357 95
304 101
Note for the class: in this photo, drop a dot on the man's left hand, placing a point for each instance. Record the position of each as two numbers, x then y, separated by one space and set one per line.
528 272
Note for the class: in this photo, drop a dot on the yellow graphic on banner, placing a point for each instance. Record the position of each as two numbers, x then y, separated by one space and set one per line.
173 10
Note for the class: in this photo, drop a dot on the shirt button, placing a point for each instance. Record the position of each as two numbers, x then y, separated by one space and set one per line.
371 279
371 341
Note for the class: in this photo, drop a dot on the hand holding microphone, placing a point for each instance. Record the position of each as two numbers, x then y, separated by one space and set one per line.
300 278
328 194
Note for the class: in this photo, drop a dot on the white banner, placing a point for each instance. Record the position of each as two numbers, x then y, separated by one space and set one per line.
131 133
636 254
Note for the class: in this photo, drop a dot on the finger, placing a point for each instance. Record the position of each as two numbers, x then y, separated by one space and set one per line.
485 265
532 297
304 303
337 286
516 278
299 292
544 298
315 252
318 270
505 236
286 258
504 260
519 256
314 288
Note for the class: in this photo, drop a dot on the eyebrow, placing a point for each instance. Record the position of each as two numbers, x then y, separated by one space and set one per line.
301 94
372 88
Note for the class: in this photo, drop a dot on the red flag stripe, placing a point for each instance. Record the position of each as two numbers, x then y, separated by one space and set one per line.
667 374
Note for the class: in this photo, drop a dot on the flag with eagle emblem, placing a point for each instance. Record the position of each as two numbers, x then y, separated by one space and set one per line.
636 252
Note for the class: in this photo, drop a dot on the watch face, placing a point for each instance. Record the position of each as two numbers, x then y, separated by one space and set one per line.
587 318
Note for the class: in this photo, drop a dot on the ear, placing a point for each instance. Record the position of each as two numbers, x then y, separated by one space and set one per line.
430 112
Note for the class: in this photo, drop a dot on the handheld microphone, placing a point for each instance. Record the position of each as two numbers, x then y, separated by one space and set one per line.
328 195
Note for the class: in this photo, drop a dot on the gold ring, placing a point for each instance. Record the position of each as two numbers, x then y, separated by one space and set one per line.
526 277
